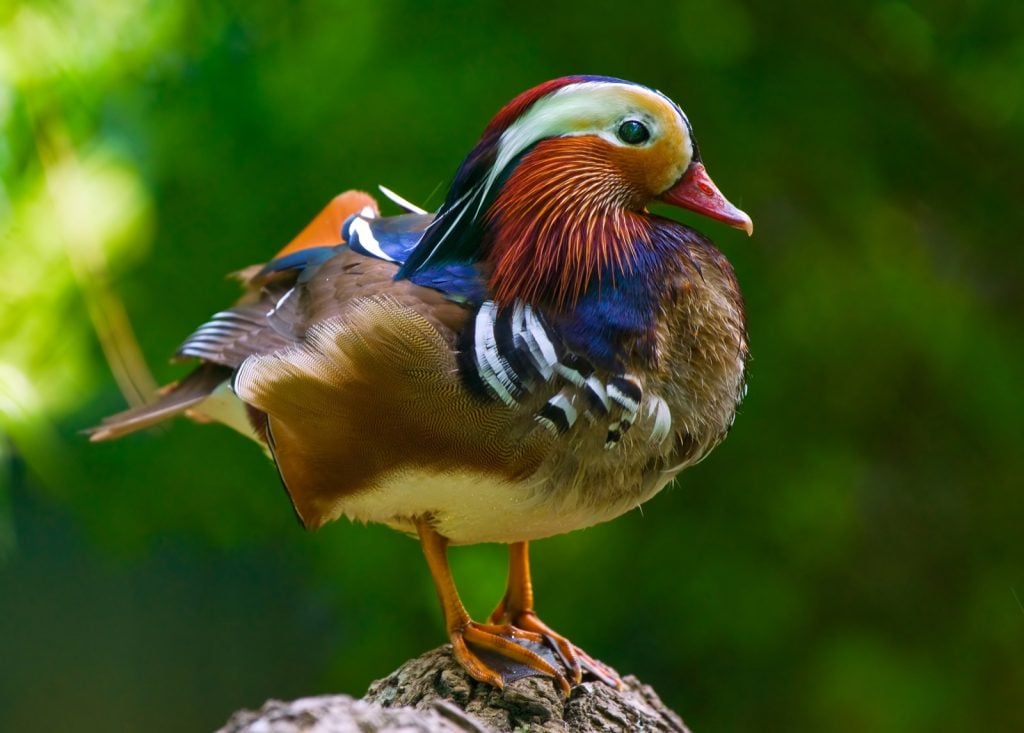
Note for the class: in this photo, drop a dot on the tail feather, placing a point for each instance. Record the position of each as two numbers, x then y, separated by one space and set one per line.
174 400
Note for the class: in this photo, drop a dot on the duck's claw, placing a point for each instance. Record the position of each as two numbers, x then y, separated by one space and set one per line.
509 645
575 660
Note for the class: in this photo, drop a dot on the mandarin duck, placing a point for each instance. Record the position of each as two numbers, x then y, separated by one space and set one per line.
540 355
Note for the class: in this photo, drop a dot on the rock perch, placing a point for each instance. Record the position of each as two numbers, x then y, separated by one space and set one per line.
432 693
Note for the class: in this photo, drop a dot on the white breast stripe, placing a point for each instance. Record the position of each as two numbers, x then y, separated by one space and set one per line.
502 369
541 348
658 408
570 375
597 387
521 343
530 345
518 325
614 435
558 414
629 405
563 403
493 369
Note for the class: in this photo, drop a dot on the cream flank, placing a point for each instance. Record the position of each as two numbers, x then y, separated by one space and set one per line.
223 406
470 508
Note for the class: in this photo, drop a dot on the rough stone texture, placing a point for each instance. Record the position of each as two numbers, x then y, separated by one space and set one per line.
345 714
433 693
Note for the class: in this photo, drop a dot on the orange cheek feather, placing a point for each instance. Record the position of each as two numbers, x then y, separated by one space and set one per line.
565 215
651 170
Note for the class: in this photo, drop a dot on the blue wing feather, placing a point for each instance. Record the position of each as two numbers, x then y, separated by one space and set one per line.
393 236
304 259
393 239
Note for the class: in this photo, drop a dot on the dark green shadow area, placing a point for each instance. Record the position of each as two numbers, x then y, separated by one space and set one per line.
168 642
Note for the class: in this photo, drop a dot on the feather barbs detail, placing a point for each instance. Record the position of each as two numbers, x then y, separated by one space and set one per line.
370 394
565 221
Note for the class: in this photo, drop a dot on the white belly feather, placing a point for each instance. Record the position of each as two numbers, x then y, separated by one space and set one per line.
469 508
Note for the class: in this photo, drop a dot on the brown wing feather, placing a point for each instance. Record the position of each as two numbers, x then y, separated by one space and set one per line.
371 392
270 316
351 276
174 400
229 337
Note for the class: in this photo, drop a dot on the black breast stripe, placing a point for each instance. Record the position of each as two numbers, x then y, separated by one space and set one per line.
509 353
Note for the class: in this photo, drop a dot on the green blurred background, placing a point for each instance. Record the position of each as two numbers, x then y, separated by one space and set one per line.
851 559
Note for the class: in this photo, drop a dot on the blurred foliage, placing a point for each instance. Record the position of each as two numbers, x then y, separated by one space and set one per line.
849 560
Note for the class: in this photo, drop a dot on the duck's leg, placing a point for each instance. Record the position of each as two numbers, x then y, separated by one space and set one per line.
516 609
463 631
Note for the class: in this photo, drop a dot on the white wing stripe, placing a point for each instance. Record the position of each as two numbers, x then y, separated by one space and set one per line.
361 229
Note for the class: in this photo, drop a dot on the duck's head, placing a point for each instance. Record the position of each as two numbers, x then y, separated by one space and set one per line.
560 181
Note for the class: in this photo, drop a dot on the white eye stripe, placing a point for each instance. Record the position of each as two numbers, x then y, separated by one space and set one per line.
605 104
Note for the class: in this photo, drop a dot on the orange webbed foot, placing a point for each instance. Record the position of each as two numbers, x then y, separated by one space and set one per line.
575 660
507 646
490 653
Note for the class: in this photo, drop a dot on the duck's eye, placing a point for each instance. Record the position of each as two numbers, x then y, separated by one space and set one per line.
634 132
